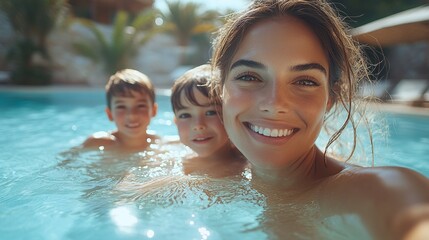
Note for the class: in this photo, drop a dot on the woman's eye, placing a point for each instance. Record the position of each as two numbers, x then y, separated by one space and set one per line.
184 115
247 77
120 107
211 113
142 105
307 82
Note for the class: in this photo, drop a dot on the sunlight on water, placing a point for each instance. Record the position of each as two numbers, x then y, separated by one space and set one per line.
51 189
124 219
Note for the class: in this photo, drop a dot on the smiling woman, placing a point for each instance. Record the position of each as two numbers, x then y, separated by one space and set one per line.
286 66
276 81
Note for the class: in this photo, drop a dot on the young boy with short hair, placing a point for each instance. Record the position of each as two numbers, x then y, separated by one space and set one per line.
200 128
131 105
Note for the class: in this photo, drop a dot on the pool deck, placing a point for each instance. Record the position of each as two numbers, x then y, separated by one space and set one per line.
400 108
392 107
66 88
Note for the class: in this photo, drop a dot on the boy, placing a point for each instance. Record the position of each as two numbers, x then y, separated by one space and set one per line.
131 105
200 127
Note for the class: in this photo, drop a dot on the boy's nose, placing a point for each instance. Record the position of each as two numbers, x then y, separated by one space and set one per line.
199 124
199 127
131 114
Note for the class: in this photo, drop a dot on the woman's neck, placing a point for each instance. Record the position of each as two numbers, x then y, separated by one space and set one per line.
303 172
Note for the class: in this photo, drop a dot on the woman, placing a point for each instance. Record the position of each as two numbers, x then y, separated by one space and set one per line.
286 66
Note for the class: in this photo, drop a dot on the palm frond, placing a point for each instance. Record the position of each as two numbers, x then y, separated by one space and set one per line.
185 20
86 50
116 50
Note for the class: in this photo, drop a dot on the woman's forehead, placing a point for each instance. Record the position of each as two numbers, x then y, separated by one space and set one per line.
281 38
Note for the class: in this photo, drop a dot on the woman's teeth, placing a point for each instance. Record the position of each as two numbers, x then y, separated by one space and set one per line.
271 132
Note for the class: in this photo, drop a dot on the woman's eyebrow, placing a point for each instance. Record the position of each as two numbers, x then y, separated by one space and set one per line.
297 68
247 63
309 66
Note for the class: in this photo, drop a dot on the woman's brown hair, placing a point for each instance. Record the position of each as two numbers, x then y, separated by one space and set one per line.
347 65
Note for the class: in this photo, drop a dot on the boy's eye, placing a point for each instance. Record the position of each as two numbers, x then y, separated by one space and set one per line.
142 105
184 115
211 113
120 107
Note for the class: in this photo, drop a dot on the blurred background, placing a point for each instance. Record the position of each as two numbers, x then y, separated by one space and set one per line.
82 42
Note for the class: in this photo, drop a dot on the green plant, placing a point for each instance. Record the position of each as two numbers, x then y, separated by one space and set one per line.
32 22
115 51
185 20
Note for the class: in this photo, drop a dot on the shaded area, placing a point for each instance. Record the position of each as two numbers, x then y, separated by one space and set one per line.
405 35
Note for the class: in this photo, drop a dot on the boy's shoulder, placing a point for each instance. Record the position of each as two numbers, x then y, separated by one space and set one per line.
99 139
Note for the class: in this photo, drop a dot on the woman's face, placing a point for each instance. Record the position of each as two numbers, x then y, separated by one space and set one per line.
276 93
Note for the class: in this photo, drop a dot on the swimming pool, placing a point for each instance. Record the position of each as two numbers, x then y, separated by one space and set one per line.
48 191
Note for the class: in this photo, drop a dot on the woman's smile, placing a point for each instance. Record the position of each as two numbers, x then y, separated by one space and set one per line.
270 132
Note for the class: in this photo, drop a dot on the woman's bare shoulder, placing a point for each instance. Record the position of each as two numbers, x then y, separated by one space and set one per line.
382 179
377 187
384 197
391 178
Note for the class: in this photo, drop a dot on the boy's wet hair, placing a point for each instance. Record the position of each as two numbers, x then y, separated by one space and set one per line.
198 78
124 82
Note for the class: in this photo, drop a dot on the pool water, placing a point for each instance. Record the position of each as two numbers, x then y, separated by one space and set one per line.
49 190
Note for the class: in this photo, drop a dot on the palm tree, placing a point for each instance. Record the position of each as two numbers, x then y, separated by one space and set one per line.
32 22
115 51
187 23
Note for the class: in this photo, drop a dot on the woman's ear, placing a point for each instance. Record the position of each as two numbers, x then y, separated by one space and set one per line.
109 114
333 96
329 104
175 120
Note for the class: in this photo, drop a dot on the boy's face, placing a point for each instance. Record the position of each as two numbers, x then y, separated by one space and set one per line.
132 114
200 128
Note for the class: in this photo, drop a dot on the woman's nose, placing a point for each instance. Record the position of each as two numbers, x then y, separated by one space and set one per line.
275 101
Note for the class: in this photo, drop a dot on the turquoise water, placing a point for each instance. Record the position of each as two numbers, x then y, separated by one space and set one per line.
49 191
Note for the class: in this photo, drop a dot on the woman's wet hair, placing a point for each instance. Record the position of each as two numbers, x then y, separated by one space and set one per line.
347 64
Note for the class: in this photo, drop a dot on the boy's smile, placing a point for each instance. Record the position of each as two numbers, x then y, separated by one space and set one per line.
200 127
132 114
